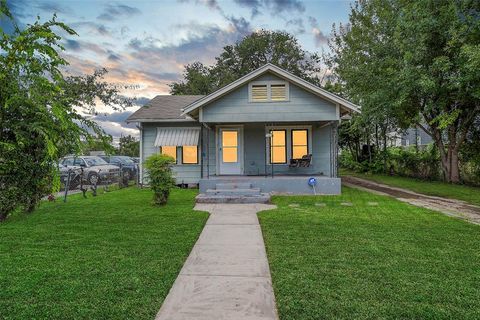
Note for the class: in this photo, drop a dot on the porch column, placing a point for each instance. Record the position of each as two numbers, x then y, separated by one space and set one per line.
334 150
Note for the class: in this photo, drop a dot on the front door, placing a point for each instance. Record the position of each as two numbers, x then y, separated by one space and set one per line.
230 151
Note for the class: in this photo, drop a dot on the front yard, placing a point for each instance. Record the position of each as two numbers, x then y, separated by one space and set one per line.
110 257
360 256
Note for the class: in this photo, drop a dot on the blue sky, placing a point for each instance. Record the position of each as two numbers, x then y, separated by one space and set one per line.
147 43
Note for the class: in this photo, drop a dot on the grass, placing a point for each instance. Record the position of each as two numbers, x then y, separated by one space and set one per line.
433 188
371 258
110 257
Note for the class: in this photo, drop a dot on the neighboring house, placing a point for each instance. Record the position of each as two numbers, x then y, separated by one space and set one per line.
410 137
252 131
416 136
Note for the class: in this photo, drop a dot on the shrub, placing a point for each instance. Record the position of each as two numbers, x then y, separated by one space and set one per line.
160 177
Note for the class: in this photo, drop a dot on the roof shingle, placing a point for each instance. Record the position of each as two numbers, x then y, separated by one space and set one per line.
164 107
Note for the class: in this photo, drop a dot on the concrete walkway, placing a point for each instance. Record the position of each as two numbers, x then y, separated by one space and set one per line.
226 276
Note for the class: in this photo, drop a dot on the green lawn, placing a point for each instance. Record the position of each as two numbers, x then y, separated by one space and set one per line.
110 257
434 188
366 261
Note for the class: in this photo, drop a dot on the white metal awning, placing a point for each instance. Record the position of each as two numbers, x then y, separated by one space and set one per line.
177 137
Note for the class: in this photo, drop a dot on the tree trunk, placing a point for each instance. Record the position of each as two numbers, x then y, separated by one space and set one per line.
3 216
454 167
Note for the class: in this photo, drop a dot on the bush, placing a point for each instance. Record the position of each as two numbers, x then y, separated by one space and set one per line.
160 177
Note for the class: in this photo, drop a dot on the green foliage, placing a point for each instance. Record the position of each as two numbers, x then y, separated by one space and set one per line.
255 50
416 63
41 111
160 177
129 146
113 256
423 163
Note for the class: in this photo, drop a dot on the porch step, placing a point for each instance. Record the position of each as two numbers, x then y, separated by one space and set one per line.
212 198
233 185
234 191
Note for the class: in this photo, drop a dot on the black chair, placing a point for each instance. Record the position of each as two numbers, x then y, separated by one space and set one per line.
304 162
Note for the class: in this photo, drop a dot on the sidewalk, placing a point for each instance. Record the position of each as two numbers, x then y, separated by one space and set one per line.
226 275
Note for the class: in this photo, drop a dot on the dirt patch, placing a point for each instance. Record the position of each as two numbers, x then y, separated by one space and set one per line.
451 207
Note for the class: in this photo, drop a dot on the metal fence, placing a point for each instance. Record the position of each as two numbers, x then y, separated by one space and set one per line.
78 180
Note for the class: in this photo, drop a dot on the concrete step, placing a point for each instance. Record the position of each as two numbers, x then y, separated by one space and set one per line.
209 198
233 185
234 192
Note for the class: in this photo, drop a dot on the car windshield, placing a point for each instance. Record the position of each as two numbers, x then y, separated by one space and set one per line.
126 160
95 161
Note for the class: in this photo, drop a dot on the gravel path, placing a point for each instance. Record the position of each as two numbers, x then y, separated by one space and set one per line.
451 207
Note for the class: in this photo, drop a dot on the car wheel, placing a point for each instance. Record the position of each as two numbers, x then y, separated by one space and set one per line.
93 178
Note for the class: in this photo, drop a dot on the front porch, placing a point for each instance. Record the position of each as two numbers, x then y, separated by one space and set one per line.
279 184
263 155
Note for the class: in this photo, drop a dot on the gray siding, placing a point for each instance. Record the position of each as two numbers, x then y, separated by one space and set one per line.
184 173
420 135
302 106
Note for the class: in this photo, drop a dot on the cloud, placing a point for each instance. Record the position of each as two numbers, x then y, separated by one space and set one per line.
53 7
319 37
16 8
118 117
113 12
79 46
272 6
91 27
297 24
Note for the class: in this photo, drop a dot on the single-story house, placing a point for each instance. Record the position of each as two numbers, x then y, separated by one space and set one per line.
269 129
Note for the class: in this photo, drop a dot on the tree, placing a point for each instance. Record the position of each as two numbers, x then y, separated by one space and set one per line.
255 50
39 111
416 62
129 146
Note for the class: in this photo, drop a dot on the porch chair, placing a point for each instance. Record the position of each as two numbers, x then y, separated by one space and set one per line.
304 162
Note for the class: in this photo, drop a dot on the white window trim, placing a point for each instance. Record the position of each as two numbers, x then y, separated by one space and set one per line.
288 130
269 90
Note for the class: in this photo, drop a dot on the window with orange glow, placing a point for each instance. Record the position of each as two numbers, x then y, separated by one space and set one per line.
278 146
190 154
299 143
169 151
229 146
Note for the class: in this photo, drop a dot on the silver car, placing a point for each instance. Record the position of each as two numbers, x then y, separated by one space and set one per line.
95 169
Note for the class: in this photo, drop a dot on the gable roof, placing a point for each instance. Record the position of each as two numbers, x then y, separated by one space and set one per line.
163 107
349 106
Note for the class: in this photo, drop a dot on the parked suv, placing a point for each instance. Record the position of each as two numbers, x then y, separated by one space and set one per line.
95 169
129 167
75 175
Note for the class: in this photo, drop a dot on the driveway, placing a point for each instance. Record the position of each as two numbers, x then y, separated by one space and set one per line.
451 207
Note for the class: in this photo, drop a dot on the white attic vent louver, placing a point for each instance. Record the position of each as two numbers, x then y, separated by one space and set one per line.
278 92
259 92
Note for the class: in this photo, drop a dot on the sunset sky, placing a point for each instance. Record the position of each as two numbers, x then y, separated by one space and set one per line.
147 43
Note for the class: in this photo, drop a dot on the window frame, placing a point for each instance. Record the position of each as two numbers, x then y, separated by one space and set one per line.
269 90
291 141
271 146
176 152
187 163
